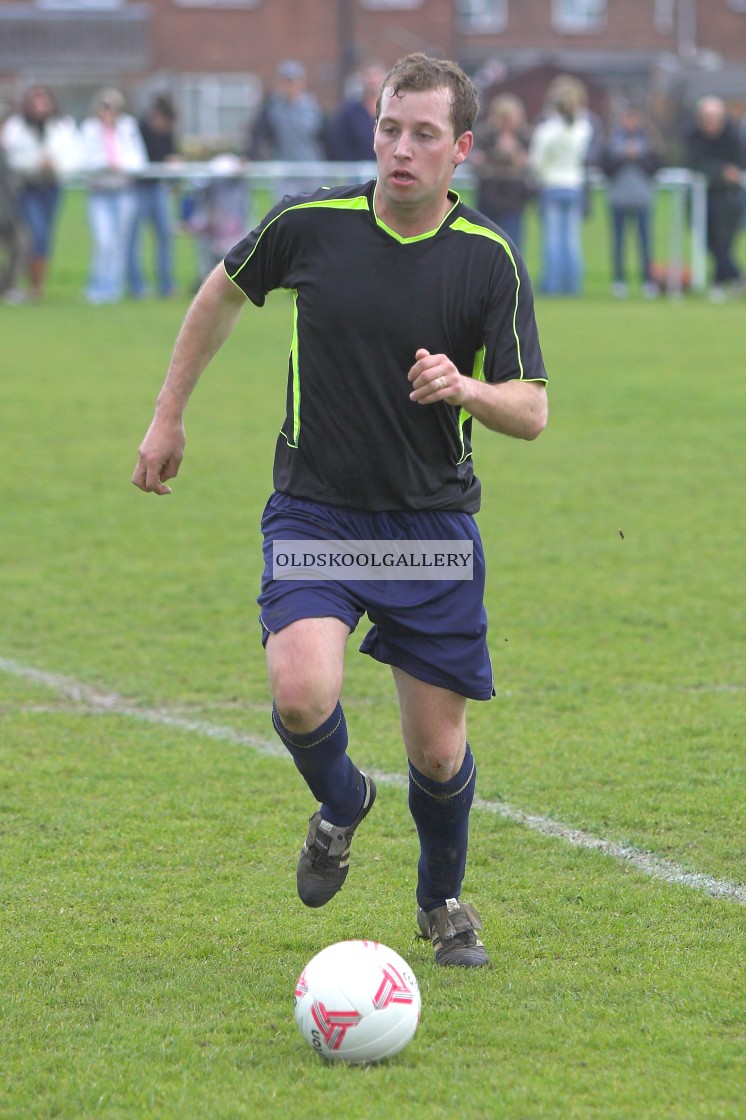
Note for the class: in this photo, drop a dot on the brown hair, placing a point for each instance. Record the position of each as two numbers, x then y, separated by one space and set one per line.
417 73
108 99
28 103
507 108
567 95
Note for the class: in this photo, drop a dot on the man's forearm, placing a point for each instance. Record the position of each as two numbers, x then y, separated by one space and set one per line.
514 408
208 323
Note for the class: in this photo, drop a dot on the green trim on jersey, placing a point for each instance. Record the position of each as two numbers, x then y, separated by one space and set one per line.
360 203
420 236
363 300
296 375
463 226
477 373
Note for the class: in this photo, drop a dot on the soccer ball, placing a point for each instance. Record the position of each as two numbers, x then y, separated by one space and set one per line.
357 1002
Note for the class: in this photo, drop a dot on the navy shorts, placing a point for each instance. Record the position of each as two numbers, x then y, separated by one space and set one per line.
435 630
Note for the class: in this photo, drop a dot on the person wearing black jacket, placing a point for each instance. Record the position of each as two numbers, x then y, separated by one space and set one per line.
154 201
715 150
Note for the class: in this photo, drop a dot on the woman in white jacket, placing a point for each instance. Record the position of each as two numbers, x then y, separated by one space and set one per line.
113 155
557 156
42 149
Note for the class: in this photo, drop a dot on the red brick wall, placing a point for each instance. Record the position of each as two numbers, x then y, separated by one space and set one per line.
255 39
252 40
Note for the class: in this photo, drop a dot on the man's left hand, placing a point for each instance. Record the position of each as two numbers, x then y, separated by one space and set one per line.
435 378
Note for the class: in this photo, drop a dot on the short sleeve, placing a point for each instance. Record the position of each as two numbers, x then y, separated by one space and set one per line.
511 338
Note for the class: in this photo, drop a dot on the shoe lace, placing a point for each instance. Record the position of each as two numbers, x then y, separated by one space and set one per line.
320 851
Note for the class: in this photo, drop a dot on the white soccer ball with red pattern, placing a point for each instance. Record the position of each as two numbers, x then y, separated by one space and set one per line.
357 1002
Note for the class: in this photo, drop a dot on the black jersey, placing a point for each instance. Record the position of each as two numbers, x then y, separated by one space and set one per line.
366 299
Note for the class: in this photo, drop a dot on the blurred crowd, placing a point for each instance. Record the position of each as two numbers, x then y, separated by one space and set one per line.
549 163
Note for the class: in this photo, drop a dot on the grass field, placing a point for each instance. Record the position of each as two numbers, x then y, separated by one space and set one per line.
150 825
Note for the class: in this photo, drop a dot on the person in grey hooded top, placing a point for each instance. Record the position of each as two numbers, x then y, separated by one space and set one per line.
289 126
630 160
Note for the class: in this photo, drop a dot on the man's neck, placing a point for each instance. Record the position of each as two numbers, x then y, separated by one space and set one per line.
413 223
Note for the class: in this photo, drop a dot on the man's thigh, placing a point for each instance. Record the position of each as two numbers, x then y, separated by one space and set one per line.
305 667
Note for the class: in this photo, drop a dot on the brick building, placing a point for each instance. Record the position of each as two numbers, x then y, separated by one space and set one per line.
219 56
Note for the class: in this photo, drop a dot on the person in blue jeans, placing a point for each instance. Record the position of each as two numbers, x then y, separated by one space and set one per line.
153 198
42 148
113 157
557 157
500 157
630 160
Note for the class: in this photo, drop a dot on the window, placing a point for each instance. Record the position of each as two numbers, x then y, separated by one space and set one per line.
79 5
475 16
217 3
579 15
378 4
664 15
217 108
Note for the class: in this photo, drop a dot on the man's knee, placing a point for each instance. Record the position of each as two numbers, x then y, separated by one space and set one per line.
305 664
303 705
438 761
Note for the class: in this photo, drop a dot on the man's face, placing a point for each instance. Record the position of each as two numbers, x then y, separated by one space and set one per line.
372 80
292 88
711 117
40 103
415 148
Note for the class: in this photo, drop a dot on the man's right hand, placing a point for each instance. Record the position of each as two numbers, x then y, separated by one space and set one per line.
160 456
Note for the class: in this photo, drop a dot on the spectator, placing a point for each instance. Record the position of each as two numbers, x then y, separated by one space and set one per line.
715 150
630 160
113 155
219 214
350 132
154 201
500 158
289 126
557 156
43 148
11 239
742 139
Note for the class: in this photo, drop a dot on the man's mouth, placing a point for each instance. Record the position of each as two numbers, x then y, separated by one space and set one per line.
402 176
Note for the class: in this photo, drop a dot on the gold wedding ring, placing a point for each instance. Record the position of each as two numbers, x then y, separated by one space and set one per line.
440 382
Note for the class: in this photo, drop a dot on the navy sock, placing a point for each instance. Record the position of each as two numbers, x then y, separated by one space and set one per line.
321 757
441 813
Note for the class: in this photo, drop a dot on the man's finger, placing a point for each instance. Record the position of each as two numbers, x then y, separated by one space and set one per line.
150 479
153 482
417 369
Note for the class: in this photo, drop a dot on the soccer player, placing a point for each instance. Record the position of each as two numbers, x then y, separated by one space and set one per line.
413 315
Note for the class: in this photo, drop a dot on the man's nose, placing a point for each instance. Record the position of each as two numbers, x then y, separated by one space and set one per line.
403 146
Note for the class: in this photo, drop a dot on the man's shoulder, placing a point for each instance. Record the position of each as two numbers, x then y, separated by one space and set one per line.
300 212
466 219
353 196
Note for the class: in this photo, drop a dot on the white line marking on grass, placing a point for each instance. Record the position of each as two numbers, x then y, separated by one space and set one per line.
89 701
638 858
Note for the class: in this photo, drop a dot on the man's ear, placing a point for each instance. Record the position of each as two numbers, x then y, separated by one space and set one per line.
464 145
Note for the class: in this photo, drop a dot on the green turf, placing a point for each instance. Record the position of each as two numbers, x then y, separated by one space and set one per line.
151 935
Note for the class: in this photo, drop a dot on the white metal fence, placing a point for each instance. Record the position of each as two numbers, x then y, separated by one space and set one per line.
686 235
